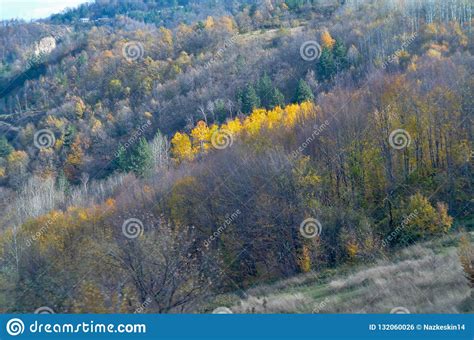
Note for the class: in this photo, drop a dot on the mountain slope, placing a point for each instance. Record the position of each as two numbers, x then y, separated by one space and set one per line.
425 278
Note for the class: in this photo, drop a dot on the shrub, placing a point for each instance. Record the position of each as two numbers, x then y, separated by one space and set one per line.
426 220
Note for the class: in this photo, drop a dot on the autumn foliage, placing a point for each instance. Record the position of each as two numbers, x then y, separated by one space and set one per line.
220 140
186 147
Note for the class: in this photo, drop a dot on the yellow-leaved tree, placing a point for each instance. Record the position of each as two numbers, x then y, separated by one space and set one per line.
181 147
326 40
73 165
201 137
185 147
422 219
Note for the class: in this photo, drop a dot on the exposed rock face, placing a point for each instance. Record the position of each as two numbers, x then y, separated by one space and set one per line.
44 46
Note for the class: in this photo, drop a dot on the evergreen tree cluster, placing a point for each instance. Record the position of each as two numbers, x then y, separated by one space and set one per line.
263 94
332 60
5 147
137 158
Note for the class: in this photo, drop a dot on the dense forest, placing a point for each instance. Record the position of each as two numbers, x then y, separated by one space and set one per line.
161 153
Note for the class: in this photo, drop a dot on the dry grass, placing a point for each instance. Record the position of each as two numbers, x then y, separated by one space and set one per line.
273 304
429 284
423 279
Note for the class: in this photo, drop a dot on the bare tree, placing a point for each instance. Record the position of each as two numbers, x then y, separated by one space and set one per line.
166 266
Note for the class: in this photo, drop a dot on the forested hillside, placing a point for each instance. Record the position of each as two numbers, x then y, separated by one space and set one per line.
157 155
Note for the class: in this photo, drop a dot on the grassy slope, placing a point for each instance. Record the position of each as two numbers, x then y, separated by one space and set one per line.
425 278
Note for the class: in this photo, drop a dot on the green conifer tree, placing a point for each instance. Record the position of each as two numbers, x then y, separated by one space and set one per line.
326 67
249 99
269 95
138 159
303 92
340 56
5 147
